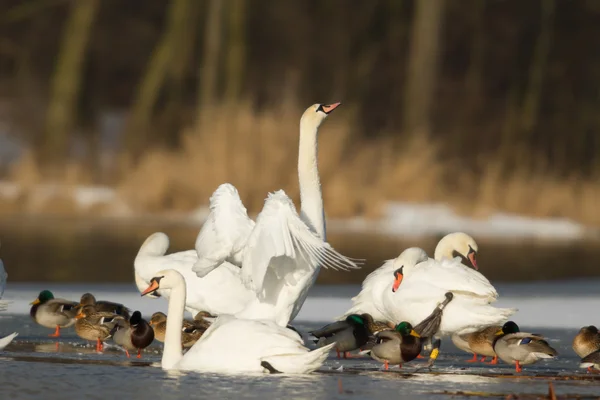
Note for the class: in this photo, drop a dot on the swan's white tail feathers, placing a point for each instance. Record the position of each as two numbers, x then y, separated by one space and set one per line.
301 363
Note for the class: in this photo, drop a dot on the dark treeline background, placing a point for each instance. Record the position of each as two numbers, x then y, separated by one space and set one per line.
510 80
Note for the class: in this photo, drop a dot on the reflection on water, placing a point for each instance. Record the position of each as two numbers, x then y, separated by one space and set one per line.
87 250
32 366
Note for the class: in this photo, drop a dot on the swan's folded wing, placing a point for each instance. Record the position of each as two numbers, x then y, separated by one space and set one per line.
283 241
225 231
451 275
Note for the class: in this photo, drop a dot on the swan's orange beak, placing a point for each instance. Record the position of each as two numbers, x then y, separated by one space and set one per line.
398 281
153 287
473 260
330 107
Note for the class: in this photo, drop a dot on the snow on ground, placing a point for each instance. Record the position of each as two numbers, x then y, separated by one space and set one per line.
541 304
406 219
412 219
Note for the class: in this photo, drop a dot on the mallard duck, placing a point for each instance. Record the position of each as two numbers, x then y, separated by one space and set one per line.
520 348
397 346
136 334
350 334
88 299
480 342
376 326
95 325
591 361
587 341
53 313
201 321
191 331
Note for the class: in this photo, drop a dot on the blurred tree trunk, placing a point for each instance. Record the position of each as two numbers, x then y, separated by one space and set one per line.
61 114
474 77
236 53
423 62
153 80
183 41
537 69
207 87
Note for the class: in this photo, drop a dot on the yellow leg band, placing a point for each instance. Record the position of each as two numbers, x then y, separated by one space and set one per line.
434 354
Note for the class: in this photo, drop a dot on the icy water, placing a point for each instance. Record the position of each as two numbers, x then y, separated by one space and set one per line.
58 249
35 366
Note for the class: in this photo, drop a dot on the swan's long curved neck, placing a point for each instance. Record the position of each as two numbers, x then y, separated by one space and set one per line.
311 198
443 250
172 349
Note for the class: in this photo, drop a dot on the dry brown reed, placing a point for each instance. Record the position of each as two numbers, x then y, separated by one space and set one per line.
257 152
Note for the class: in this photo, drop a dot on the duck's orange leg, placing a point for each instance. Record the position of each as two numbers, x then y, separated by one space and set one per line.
56 332
483 358
338 353
474 359
494 360
518 367
420 356
98 345
386 365
127 354
139 353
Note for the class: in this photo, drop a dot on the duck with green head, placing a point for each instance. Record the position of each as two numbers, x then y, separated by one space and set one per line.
397 346
520 348
350 334
53 313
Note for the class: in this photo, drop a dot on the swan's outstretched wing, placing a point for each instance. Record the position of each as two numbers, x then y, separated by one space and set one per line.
282 244
225 231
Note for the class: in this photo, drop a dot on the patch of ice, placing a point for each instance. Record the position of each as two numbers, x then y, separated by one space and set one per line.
539 306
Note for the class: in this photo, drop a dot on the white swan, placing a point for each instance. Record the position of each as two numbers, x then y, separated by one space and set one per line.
5 341
418 283
222 292
369 299
231 345
284 251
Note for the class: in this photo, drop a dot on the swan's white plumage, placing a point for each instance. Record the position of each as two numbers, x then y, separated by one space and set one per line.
240 345
282 244
232 345
369 299
425 282
220 292
225 231
424 286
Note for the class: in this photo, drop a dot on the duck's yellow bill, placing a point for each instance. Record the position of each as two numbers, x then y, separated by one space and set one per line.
153 287
35 302
414 333
500 332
